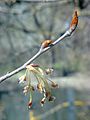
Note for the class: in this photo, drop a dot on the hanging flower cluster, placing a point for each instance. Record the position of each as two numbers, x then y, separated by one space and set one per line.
44 84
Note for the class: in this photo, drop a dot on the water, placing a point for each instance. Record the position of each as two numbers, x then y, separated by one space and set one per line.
13 105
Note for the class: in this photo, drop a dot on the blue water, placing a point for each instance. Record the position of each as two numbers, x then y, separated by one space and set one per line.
14 105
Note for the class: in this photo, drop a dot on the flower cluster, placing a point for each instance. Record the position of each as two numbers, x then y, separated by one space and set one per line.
44 84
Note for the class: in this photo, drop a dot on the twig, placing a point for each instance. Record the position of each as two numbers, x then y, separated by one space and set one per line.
33 58
42 50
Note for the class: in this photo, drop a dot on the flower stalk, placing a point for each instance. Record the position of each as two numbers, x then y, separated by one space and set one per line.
43 84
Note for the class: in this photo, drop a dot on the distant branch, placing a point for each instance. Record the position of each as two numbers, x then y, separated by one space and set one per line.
23 29
44 48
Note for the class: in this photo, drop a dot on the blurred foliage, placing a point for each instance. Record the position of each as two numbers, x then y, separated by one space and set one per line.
23 26
69 103
23 37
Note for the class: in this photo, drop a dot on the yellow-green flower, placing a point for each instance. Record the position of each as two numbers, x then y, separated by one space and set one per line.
43 85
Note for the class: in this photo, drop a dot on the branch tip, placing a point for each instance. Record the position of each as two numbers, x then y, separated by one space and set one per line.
46 43
74 21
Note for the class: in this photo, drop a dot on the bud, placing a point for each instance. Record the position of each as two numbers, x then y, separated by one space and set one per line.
29 104
42 102
34 65
74 22
26 87
49 71
46 43
25 91
22 79
51 98
54 85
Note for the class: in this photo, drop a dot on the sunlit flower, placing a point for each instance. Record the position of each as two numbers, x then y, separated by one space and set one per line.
26 89
22 79
40 71
44 84
42 101
29 104
51 98
54 85
40 87
31 68
49 71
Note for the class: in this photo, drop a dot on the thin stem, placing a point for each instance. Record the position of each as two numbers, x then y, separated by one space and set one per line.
41 51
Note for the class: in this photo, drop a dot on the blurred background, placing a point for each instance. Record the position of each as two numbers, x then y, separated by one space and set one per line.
24 24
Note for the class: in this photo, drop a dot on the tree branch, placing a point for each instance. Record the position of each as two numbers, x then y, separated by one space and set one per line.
73 25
